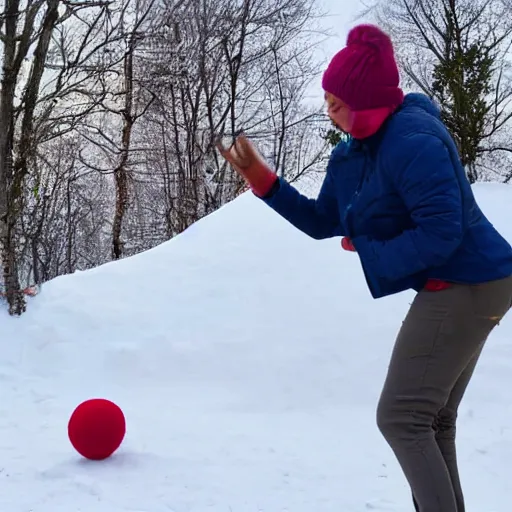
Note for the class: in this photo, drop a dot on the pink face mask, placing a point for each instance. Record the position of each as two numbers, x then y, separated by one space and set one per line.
367 122
361 123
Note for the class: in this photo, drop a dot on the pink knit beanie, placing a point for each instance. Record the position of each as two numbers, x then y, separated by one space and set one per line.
364 74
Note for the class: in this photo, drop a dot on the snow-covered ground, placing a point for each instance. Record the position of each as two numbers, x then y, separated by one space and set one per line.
248 360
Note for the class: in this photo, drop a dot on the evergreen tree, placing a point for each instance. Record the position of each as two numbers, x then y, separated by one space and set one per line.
458 53
334 136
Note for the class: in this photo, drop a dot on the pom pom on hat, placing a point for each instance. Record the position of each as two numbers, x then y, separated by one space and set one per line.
370 35
364 74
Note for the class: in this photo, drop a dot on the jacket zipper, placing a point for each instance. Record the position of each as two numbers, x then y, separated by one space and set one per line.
356 193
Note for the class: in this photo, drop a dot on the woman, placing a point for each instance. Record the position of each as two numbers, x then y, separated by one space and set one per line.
398 195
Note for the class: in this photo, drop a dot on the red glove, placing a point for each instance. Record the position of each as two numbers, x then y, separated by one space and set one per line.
347 244
436 285
247 162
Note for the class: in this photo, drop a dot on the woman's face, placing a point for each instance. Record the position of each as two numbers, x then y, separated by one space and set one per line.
339 113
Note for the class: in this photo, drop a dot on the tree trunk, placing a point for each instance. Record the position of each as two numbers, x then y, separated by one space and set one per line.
14 295
121 173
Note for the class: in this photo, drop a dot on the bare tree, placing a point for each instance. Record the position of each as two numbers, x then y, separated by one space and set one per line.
54 74
230 65
109 111
17 45
64 223
134 35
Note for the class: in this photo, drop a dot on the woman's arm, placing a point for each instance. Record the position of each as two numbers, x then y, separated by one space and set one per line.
319 218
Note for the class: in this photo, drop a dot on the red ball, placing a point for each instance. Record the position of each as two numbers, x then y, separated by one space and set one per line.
96 428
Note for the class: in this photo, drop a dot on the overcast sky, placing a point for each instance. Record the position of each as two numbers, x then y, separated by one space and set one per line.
340 18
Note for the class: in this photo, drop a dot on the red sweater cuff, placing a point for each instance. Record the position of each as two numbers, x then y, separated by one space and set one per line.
262 182
436 285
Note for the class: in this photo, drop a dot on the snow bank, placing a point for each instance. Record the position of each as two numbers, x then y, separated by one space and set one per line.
248 360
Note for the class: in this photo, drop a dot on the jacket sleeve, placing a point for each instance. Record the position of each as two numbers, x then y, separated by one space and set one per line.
426 179
318 218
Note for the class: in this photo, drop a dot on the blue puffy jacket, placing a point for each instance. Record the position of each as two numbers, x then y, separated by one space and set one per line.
403 198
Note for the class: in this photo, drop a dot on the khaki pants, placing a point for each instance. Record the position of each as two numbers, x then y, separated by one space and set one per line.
434 357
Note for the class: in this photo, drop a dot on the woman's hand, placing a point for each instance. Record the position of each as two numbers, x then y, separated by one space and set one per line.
347 244
248 163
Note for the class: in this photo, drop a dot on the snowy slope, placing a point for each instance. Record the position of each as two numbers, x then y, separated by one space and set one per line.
248 360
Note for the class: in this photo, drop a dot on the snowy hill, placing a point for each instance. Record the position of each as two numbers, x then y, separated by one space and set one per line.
248 360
